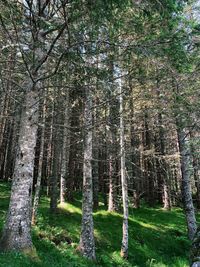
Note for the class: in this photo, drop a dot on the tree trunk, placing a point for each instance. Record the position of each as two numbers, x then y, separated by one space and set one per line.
112 196
95 175
124 183
56 142
166 196
196 170
186 187
17 229
47 142
149 161
95 165
195 251
39 176
163 166
87 244
112 152
135 161
65 151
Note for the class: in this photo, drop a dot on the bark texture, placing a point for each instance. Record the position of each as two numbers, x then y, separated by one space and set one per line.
124 182
17 230
195 251
65 151
112 152
87 244
39 176
186 187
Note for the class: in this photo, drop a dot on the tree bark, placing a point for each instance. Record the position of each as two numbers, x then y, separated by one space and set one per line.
195 250
196 168
186 187
112 152
17 229
87 244
124 182
95 174
56 142
65 151
163 166
39 176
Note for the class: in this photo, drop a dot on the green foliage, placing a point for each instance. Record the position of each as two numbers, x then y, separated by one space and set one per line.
157 237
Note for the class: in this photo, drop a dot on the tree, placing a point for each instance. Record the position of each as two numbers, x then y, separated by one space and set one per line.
87 245
124 247
17 230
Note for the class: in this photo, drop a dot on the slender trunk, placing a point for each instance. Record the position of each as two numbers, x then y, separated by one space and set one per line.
124 183
8 164
39 177
186 187
65 151
103 172
112 197
56 143
135 160
87 244
196 170
96 177
112 151
5 149
47 142
17 229
163 166
149 161
166 195
95 166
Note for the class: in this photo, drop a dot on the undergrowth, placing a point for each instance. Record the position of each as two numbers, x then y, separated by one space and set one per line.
157 238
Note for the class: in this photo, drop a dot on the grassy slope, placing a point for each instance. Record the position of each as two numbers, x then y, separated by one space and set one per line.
157 238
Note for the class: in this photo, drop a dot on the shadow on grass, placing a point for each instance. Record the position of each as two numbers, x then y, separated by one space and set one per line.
147 241
48 255
155 235
156 238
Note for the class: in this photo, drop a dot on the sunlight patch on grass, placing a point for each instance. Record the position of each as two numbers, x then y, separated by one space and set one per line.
157 238
107 213
69 208
150 226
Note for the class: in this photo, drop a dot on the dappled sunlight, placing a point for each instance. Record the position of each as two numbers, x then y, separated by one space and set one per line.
69 208
107 214
156 237
146 225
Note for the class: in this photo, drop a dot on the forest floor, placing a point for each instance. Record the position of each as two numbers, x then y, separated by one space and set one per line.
157 238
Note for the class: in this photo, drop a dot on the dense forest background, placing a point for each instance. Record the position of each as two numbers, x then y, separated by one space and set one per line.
99 105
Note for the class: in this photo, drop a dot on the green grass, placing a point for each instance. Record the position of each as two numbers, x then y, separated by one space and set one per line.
157 238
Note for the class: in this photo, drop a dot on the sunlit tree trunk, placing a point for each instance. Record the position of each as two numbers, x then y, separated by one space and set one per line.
124 182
